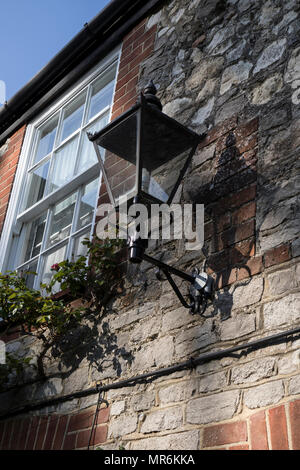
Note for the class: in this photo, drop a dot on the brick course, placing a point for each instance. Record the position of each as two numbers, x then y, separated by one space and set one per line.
8 166
225 434
261 430
55 432
294 414
258 430
232 227
266 426
137 47
277 255
278 428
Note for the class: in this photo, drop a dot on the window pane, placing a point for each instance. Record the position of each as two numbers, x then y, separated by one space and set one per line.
88 155
78 248
61 220
63 165
29 275
53 258
35 237
37 183
59 152
102 92
87 204
72 117
46 137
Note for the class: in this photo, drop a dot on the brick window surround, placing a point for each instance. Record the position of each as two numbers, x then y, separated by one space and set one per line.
8 165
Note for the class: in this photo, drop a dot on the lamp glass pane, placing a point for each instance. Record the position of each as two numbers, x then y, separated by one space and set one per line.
122 178
120 160
165 146
160 181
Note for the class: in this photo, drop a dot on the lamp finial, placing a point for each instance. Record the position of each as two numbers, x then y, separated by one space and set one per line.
149 93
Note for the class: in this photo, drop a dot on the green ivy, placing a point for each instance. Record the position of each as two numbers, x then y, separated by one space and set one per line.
93 278
26 307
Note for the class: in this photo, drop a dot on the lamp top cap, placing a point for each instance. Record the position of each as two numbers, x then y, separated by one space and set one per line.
149 93
150 88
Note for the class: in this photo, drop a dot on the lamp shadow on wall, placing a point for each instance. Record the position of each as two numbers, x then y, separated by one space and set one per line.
227 249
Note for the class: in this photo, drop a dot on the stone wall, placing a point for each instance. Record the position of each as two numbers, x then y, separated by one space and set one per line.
230 69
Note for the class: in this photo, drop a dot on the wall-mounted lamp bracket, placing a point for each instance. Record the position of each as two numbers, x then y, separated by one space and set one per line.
201 284
157 150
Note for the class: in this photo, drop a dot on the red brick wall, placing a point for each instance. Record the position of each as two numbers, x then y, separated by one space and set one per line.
8 166
137 46
55 432
230 227
275 428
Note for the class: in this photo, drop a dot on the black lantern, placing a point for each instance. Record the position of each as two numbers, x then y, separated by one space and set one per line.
147 155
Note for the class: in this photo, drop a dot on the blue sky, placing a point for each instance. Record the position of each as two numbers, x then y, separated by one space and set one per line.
33 31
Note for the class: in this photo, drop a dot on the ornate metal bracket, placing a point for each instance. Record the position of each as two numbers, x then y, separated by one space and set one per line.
201 284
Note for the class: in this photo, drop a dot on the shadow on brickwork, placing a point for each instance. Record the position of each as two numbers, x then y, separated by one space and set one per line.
229 241
233 221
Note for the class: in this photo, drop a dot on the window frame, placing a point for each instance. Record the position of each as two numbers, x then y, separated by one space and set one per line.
16 214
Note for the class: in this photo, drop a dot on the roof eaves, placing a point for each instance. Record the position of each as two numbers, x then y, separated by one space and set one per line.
94 41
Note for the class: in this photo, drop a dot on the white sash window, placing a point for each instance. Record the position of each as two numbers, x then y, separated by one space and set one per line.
57 183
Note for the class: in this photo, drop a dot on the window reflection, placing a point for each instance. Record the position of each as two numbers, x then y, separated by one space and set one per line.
72 117
46 138
87 204
37 184
61 220
63 165
30 274
88 156
79 249
35 237
102 92
52 258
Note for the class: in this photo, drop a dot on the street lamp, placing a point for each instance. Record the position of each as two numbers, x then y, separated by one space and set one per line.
155 152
